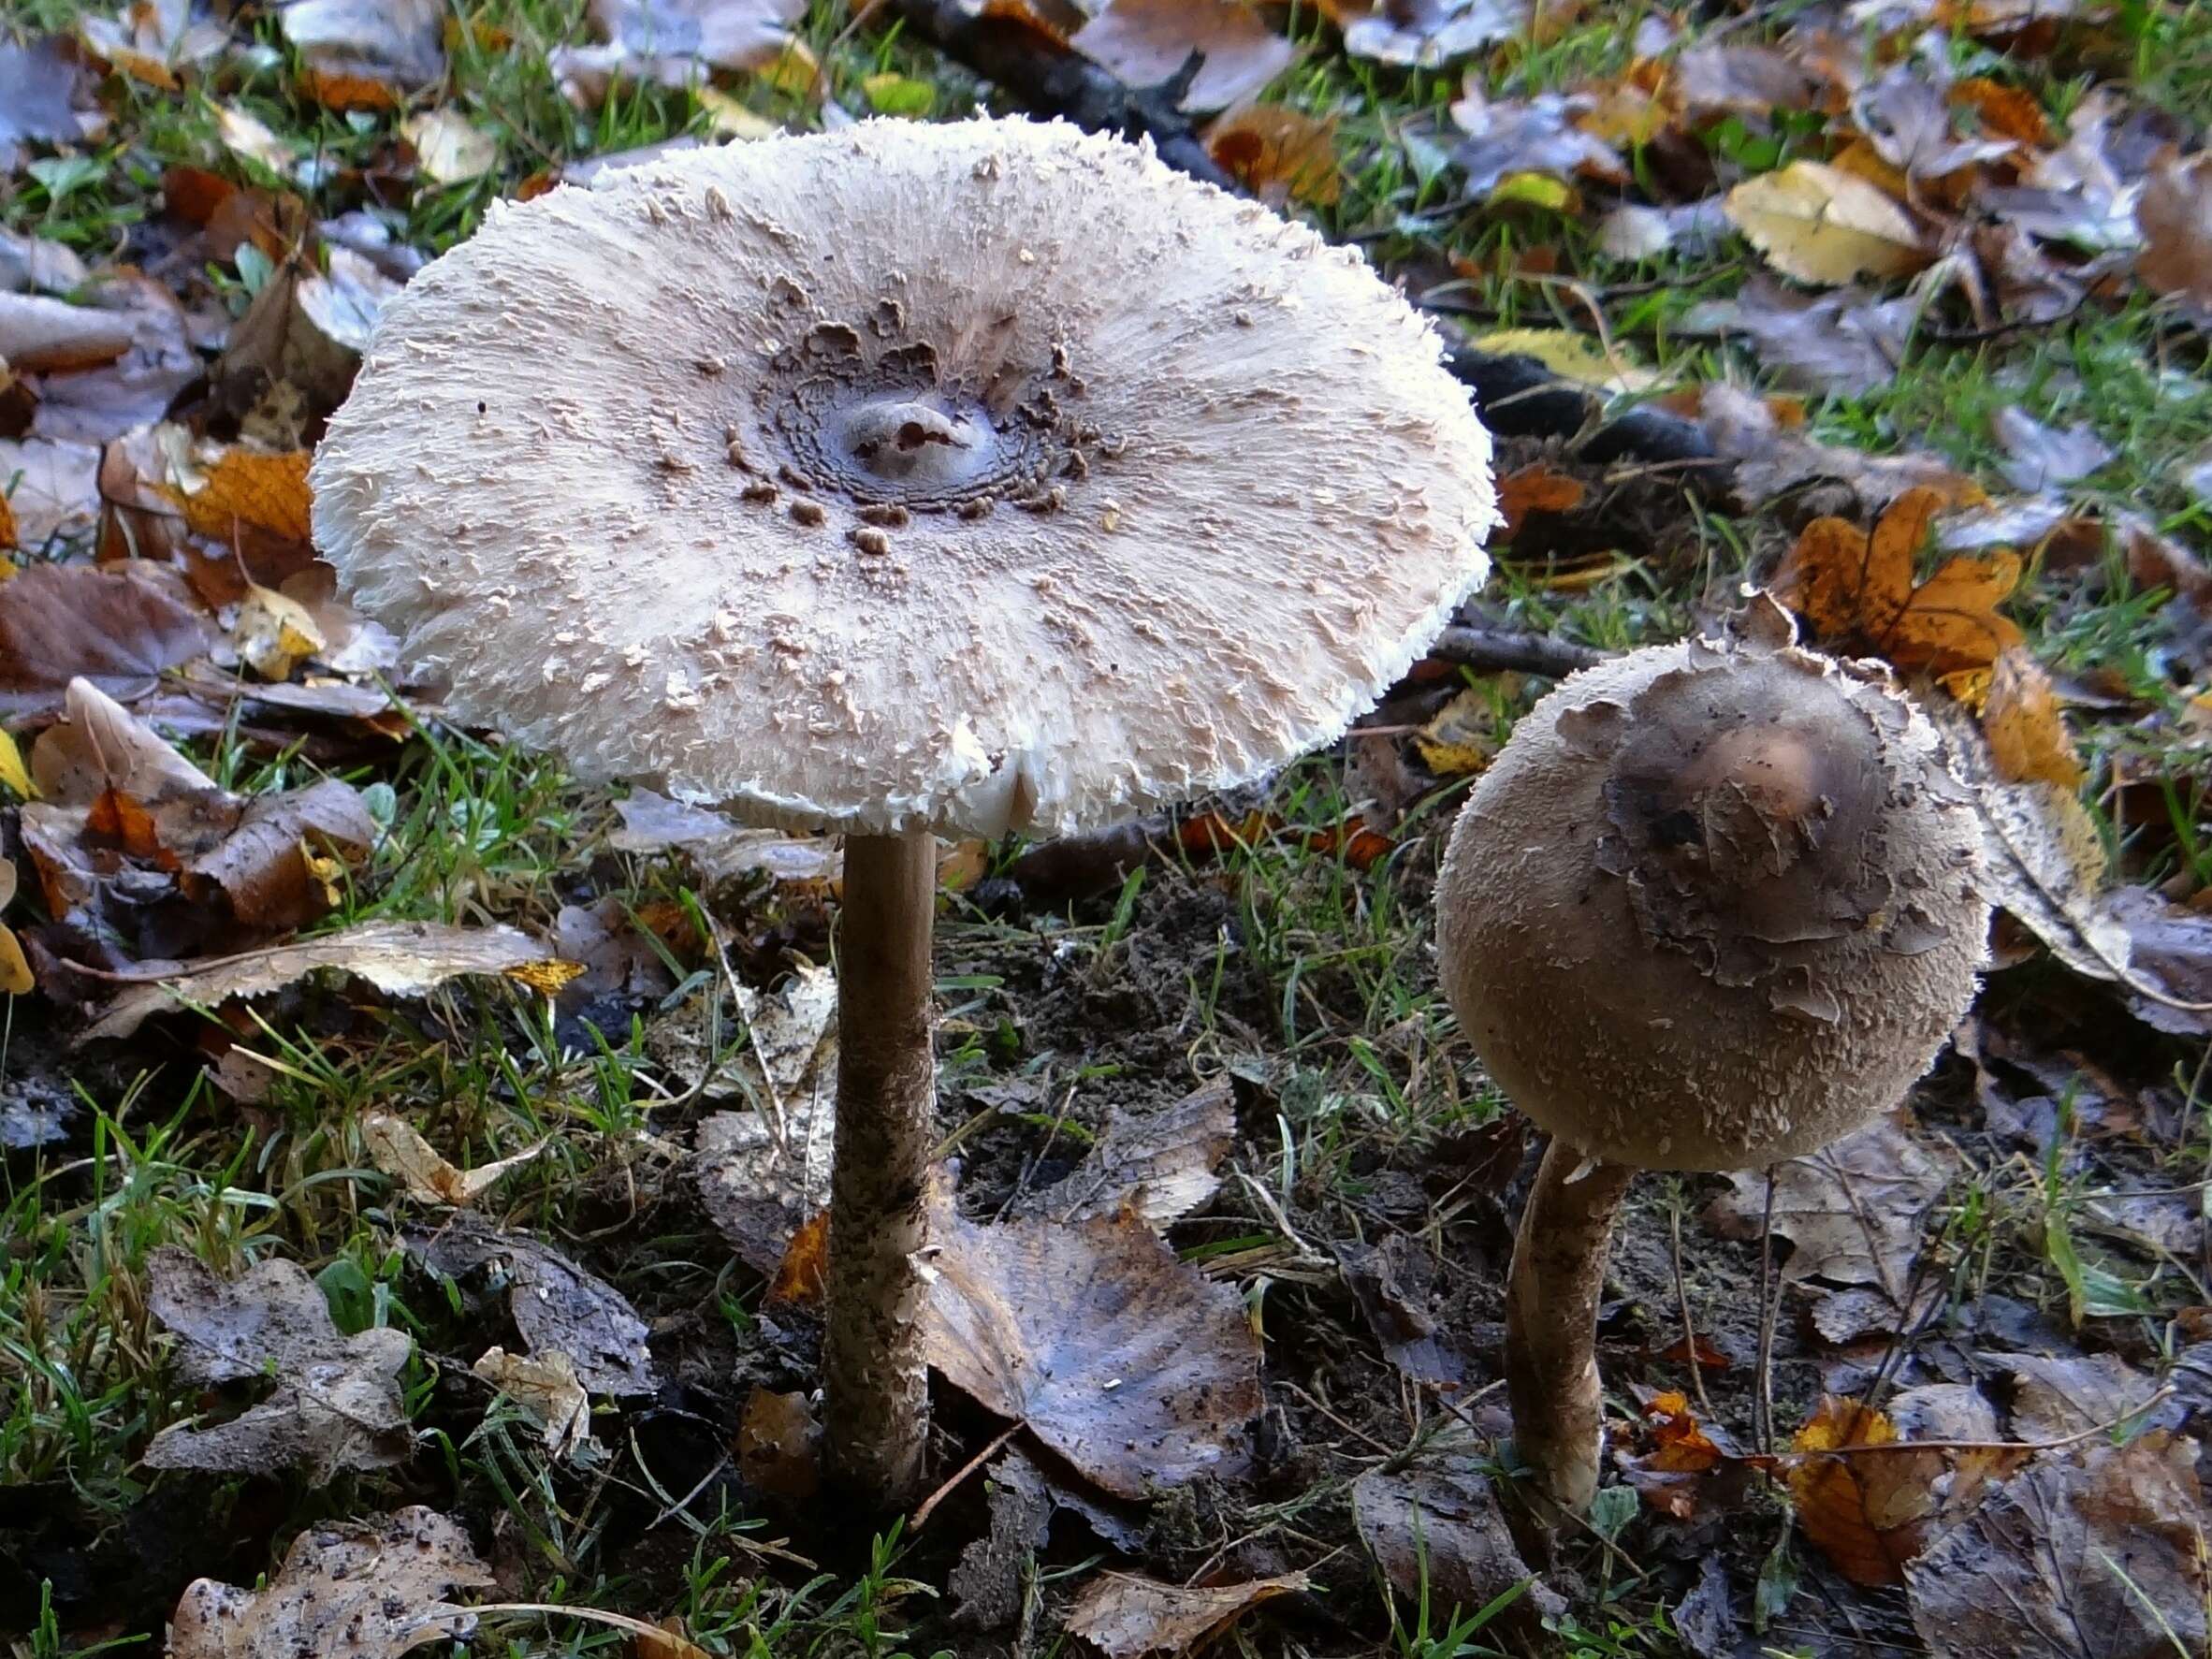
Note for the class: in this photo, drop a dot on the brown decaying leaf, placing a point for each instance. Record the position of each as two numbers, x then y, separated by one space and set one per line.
2041 458
38 85
1145 42
546 1387
1126 1617
557 1305
1425 33
1133 1366
1845 341
1854 589
1869 1515
780 1446
1278 153
397 1150
1163 1164
2058 1396
367 1589
2099 1553
1435 1527
1740 80
802 1277
55 492
1536 488
1850 1211
2176 215
1770 457
120 627
399 958
335 1405
2025 728
675 43
720 848
364 56
1542 134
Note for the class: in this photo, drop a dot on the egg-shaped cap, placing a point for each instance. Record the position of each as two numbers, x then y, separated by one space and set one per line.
973 476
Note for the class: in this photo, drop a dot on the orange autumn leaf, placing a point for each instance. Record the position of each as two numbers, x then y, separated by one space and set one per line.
2028 742
1854 590
1278 153
342 90
545 977
1534 488
1838 1510
246 489
801 1276
6 527
2007 111
1680 1444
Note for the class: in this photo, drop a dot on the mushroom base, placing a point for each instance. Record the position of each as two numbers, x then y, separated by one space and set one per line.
875 1382
1551 1299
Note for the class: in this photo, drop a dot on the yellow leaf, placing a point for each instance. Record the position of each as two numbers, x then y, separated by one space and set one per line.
1462 739
796 71
1534 190
449 149
728 117
2026 731
248 488
15 971
274 633
545 978
1579 357
1278 153
1822 225
13 773
247 135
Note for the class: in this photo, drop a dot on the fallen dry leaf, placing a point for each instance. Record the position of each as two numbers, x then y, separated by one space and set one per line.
557 1305
369 1588
2176 215
1161 1164
546 1387
399 958
118 627
1769 459
336 1402
1145 42
2041 458
1845 341
39 83
2058 1396
2028 742
1854 589
1906 117
1427 33
1542 134
764 1174
1278 153
448 150
362 56
156 41
1434 1528
399 1150
720 848
2095 1556
1126 1617
1134 1367
1851 1211
1821 225
675 43
1740 81
53 489
274 634
780 1446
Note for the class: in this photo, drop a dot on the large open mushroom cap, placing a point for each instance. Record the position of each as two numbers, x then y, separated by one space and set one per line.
1715 903
971 476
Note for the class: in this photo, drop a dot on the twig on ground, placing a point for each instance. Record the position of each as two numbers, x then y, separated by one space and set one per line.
1497 650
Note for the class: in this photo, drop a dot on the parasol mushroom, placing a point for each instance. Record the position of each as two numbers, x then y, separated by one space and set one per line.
1714 905
974 478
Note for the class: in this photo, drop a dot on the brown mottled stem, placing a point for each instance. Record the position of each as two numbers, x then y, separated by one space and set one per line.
875 1382
1558 1273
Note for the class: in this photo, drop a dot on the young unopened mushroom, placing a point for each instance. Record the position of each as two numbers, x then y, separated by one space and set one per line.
968 478
1714 905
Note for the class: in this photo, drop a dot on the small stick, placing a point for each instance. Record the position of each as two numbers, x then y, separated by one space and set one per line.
1493 651
1681 1300
1769 1311
928 1505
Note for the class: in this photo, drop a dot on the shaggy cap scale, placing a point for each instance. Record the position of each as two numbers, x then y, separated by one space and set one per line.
1715 903
975 476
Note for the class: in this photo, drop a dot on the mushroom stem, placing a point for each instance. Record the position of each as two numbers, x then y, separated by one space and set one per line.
875 1382
1559 1271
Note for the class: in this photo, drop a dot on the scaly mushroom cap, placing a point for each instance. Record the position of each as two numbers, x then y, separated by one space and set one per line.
1714 904
970 476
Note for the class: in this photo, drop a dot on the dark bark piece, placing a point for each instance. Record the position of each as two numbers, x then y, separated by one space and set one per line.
1558 1273
875 1380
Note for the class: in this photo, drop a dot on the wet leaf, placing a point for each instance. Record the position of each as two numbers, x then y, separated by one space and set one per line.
448 149
2028 742
1132 1367
1434 1527
1278 153
399 958
336 1402
2057 1395
2176 215
1821 225
1126 1617
399 1150
2099 1555
780 1446
1145 42
1161 1164
246 136
1851 1211
369 1588
118 627
1855 590
546 1387
557 1305
988 1582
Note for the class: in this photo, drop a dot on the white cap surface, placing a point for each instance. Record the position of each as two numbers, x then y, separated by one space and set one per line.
974 477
